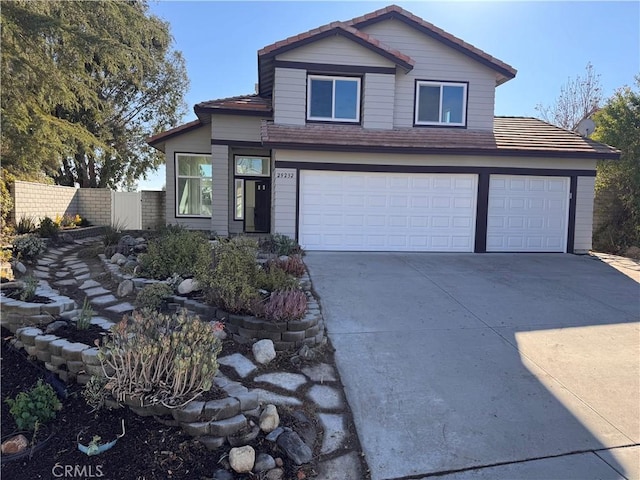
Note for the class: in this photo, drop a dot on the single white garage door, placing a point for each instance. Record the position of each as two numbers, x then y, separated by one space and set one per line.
387 211
527 214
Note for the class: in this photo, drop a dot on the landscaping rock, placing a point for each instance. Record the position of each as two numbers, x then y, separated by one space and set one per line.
264 462
305 428
263 351
242 459
245 437
14 445
130 265
126 245
293 446
273 436
117 257
125 288
52 327
222 474
187 286
20 268
269 419
275 474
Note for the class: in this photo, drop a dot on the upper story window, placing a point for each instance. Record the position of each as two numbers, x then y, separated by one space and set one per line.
194 175
334 99
441 103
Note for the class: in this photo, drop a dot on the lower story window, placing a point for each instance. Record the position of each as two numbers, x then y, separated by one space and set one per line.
194 188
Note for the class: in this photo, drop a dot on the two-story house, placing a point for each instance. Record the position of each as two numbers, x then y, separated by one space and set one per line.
378 133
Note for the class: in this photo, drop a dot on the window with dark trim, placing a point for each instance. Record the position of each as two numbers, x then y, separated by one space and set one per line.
333 99
193 185
441 103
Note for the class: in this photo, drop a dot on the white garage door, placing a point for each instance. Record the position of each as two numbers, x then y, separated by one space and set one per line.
387 211
527 214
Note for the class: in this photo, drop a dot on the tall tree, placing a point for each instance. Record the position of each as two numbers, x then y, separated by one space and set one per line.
83 84
579 98
618 124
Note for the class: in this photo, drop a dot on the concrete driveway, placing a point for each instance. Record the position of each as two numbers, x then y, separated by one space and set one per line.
486 366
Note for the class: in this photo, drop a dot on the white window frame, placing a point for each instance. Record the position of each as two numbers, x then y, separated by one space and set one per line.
239 157
333 118
177 184
238 200
431 83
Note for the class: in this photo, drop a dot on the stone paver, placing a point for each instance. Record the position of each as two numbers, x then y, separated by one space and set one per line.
321 373
334 431
84 276
284 380
325 397
346 467
103 300
68 282
265 396
89 284
94 292
241 364
121 307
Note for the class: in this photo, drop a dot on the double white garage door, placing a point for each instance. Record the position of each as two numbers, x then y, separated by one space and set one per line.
370 211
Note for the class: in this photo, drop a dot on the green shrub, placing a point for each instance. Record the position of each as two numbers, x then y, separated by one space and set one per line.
285 305
280 245
168 359
48 228
229 278
86 314
6 202
36 406
28 291
28 247
274 278
26 225
177 251
152 296
112 234
94 392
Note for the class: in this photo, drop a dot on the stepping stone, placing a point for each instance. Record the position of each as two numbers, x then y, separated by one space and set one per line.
334 427
104 300
346 467
66 283
89 284
75 263
241 364
84 276
92 292
285 380
325 397
121 308
62 273
42 275
265 397
102 322
320 373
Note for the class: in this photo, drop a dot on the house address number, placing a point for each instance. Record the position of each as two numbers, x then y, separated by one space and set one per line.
285 175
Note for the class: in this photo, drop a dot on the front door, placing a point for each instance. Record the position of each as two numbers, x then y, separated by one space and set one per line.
257 203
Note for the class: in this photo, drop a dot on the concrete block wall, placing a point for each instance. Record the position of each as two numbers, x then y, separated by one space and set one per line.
39 200
153 209
95 205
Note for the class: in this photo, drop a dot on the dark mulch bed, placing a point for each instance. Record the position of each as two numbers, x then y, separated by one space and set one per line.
148 451
88 336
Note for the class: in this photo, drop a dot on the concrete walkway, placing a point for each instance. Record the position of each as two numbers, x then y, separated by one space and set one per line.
493 366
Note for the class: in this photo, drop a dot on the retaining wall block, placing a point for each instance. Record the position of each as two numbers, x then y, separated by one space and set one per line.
195 429
228 426
221 409
189 413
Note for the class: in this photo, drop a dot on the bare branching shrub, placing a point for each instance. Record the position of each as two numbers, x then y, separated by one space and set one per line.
167 359
285 305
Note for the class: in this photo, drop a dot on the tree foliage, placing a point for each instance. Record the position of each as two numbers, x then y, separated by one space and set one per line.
618 124
83 84
579 98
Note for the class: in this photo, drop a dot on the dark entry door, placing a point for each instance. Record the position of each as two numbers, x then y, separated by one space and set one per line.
262 210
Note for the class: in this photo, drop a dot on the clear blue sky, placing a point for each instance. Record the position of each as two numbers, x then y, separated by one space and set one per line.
547 42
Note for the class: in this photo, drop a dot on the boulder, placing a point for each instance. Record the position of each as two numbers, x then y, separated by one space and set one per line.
269 419
19 267
14 445
293 446
264 351
264 462
242 459
187 286
53 326
126 244
117 258
275 474
125 288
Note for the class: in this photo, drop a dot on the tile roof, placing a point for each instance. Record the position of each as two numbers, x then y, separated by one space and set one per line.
240 103
343 29
394 11
184 128
511 136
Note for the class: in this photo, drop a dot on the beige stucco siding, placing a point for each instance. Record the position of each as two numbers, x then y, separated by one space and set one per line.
336 50
435 61
378 93
196 141
235 127
584 214
289 96
434 160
